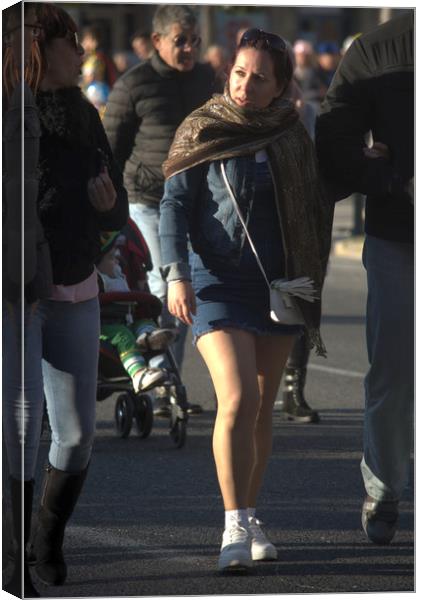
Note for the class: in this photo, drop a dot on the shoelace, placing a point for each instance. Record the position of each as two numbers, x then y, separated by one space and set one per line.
236 534
257 533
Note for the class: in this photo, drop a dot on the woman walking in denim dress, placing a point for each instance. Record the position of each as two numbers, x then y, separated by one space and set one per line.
255 136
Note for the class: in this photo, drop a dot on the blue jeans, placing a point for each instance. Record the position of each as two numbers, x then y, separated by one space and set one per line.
61 345
146 218
389 384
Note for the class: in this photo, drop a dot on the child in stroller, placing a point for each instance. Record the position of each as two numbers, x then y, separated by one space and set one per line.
130 337
135 337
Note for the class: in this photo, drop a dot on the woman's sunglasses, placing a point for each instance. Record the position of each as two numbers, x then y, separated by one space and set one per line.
182 40
73 38
261 39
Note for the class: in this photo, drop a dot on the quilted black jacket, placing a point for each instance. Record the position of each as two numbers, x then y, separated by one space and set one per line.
144 109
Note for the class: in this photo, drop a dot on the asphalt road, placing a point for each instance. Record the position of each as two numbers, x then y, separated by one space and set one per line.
150 518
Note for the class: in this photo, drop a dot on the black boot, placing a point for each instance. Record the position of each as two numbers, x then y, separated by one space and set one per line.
61 491
293 401
14 586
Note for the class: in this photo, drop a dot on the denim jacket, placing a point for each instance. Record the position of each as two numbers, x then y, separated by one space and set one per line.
196 203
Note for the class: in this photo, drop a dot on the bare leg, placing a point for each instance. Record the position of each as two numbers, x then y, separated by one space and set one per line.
230 356
272 353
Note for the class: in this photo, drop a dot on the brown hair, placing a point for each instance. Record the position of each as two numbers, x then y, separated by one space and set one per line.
55 23
11 70
283 66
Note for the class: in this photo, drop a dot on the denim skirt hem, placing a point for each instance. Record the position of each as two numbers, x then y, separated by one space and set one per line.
292 330
217 316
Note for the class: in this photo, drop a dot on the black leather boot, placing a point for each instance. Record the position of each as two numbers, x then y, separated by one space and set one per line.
14 586
60 493
294 404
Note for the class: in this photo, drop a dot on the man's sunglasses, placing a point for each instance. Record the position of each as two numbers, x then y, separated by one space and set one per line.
182 40
260 39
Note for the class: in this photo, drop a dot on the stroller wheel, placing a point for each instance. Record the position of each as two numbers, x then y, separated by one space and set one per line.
178 431
124 411
143 415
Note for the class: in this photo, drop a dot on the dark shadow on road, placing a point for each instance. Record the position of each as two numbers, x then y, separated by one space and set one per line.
153 507
300 570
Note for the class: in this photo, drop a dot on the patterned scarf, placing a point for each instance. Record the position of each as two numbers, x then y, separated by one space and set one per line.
220 129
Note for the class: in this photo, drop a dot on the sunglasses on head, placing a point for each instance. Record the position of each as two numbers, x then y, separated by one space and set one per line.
182 40
260 39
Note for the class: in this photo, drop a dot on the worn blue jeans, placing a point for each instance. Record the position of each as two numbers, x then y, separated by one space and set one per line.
146 218
60 362
389 384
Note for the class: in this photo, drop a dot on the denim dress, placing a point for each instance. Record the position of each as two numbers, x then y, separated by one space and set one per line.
238 296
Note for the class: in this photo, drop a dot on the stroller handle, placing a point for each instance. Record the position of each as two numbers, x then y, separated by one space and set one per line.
148 303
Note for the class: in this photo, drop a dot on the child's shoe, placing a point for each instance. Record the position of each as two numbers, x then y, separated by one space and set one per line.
147 378
157 340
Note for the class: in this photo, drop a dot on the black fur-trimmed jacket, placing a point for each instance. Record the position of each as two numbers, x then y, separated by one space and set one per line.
144 109
74 148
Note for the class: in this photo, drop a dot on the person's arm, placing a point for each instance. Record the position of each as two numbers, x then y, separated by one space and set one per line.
181 192
107 193
341 128
121 122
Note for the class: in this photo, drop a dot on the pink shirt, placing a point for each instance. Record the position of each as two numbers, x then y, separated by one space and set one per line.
84 290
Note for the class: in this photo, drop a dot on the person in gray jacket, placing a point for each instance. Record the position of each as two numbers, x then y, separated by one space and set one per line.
143 112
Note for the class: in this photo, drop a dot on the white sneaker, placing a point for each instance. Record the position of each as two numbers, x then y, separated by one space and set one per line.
147 378
156 340
235 549
261 548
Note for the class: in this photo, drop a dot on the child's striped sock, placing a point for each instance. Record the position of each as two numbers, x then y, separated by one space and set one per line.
132 362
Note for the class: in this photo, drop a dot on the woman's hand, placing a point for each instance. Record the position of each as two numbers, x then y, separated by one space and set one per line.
101 191
181 301
377 150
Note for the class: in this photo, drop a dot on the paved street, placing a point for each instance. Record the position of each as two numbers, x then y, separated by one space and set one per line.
149 521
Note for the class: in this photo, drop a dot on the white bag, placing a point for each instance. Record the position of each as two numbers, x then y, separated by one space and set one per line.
284 309
283 304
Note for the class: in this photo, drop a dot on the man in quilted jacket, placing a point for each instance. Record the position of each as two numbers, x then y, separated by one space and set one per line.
143 112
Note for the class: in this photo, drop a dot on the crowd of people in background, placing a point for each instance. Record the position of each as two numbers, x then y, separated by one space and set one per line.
315 64
150 152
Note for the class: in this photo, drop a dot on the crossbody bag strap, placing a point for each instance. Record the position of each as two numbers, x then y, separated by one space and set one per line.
240 216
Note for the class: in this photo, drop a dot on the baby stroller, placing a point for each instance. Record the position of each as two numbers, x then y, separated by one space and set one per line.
132 407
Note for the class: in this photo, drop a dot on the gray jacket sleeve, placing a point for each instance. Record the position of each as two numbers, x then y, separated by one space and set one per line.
121 122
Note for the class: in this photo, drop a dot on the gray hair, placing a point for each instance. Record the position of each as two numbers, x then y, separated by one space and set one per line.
168 14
